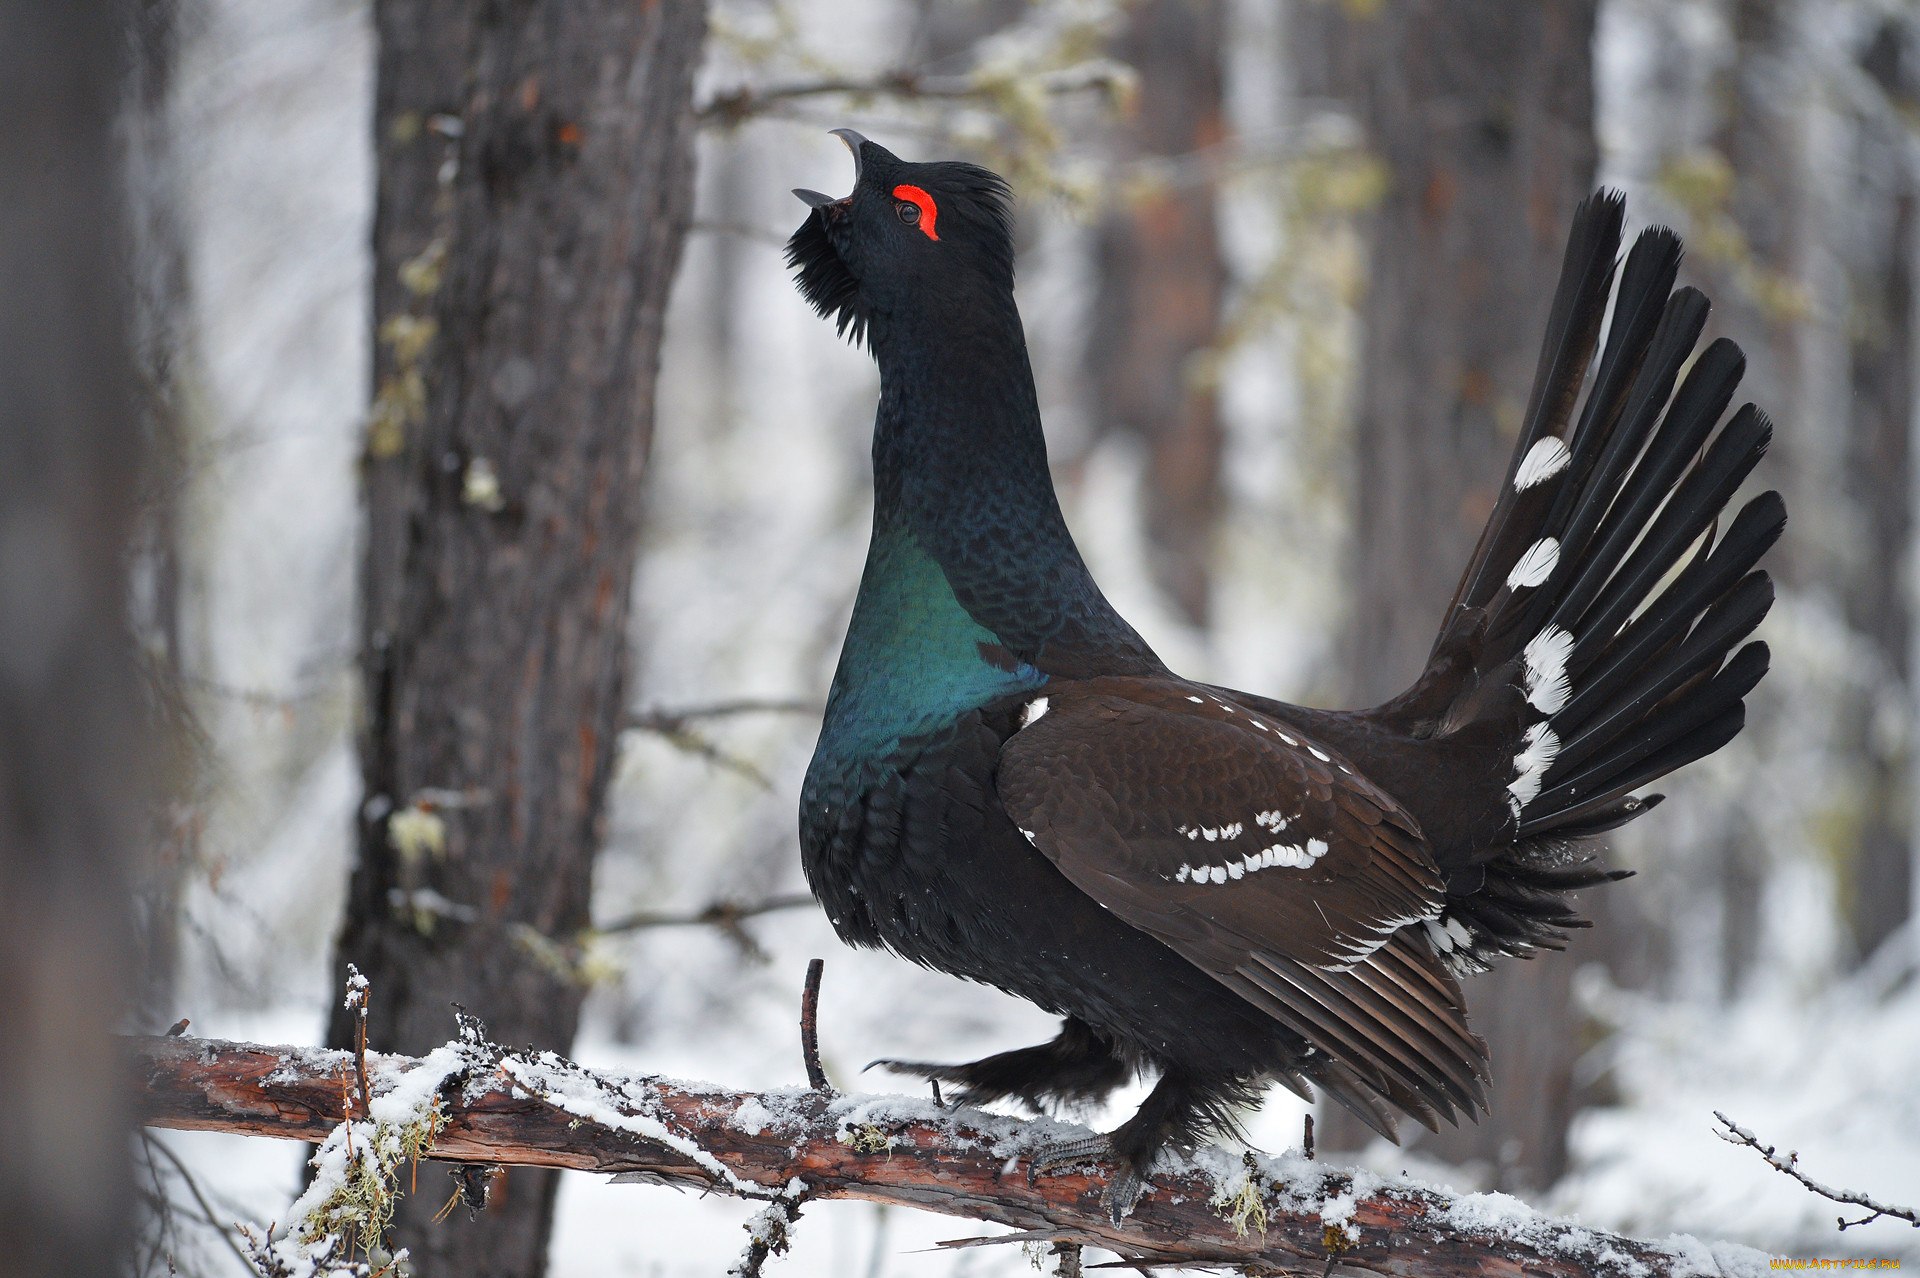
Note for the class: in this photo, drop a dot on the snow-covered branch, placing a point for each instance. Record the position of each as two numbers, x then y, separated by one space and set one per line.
476 1103
1789 1163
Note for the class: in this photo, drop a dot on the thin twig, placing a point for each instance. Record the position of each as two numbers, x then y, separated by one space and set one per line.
736 106
667 720
359 992
722 914
810 1027
675 726
743 230
1790 1165
1306 1138
193 1187
769 1233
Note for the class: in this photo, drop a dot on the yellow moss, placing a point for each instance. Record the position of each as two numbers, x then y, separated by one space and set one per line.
422 273
408 337
480 487
1246 1207
360 1209
868 1138
1703 183
417 834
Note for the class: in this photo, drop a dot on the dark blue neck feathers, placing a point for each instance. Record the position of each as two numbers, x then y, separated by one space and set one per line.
960 465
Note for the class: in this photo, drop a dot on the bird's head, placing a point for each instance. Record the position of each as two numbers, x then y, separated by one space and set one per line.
909 236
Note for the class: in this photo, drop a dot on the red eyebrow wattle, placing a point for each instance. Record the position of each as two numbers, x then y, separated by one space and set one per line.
929 211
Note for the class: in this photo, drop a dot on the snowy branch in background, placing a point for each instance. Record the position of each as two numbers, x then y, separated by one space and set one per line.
473 1102
736 106
1789 1163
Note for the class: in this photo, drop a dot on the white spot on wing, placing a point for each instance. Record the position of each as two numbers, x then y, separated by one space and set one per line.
1033 711
1287 855
1535 565
1547 458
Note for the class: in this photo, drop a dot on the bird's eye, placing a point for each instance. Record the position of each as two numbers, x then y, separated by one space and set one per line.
917 209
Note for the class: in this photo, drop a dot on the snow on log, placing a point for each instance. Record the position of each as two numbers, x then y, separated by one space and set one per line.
1251 1214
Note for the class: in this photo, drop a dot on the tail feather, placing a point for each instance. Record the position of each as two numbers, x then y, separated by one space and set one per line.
1605 758
1691 512
1598 620
1573 329
1714 572
1696 745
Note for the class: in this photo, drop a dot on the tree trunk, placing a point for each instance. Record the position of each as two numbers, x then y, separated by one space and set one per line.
1879 472
535 164
1162 285
1761 292
1482 113
72 784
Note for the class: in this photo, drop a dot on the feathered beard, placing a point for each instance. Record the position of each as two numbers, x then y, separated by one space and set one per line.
824 280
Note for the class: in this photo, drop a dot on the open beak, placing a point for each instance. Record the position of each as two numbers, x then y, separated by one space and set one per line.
854 142
815 200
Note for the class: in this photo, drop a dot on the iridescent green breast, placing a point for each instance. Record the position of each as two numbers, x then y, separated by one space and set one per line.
914 659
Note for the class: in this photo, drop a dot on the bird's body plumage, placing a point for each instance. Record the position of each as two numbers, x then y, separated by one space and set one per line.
1221 888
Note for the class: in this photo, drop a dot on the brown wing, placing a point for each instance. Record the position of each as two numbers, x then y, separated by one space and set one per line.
1262 858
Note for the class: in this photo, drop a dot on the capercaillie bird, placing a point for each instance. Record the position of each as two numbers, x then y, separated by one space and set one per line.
1208 885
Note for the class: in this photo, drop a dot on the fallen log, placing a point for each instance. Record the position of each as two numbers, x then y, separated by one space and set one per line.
1249 1214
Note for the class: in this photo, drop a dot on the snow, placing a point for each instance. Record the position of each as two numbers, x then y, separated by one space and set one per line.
761 519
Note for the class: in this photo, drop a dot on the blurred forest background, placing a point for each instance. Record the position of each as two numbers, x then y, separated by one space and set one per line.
402 272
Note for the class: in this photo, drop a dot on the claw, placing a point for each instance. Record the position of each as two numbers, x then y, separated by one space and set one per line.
1123 1192
1124 1187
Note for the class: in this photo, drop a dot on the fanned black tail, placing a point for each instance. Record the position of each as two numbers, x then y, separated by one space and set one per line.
1591 634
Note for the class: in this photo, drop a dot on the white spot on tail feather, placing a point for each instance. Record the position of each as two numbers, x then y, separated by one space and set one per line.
1539 748
1547 458
1546 676
1536 565
1033 711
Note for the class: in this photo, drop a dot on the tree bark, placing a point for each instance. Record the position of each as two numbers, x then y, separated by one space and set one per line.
72 763
549 1113
1161 282
1483 115
534 187
1879 472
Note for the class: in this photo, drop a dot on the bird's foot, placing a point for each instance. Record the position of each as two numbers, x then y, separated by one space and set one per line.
1124 1186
